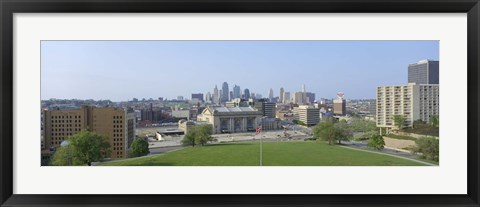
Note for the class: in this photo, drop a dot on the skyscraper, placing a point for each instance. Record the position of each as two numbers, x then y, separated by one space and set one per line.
286 97
236 92
280 95
303 88
424 72
208 97
246 93
270 95
310 97
299 98
340 105
215 97
225 91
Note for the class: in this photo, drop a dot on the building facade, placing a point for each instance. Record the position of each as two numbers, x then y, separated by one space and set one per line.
197 96
286 97
424 72
225 92
236 92
231 119
307 114
115 123
309 97
299 98
268 109
280 95
340 107
412 101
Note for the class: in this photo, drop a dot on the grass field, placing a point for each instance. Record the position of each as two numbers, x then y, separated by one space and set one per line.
274 154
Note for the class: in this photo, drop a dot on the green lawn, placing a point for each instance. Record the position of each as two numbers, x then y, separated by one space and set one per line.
274 154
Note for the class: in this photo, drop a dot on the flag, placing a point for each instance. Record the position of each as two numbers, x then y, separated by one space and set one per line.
259 129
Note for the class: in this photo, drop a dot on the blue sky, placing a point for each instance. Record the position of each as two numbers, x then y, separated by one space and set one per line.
122 70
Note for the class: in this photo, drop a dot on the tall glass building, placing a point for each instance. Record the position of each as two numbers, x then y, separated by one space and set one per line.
424 72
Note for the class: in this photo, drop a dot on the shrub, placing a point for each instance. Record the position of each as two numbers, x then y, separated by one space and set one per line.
427 148
377 142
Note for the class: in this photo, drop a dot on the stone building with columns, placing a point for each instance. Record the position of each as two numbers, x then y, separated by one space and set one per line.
231 119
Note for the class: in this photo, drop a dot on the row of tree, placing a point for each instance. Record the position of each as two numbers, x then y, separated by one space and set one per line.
399 121
333 131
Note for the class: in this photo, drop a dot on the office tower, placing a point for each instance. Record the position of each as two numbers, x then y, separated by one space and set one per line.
303 88
286 97
216 95
280 95
412 101
310 97
424 72
246 93
270 95
225 92
208 97
236 92
340 105
197 96
115 123
267 108
299 98
307 114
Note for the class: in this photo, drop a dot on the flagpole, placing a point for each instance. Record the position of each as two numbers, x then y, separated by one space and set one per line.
258 130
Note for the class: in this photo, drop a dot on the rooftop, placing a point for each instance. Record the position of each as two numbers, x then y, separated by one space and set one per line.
234 109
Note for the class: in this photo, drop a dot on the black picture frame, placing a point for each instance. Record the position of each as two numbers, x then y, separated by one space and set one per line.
9 7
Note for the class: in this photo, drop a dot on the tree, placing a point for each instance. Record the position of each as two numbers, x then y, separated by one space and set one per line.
189 138
376 142
295 121
362 125
325 131
203 134
63 156
199 134
139 148
434 121
399 121
428 148
342 131
82 149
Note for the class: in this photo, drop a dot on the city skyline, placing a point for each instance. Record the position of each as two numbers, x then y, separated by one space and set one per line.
123 70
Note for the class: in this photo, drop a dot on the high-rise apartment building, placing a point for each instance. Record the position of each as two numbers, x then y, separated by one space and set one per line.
307 114
412 101
424 72
115 123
